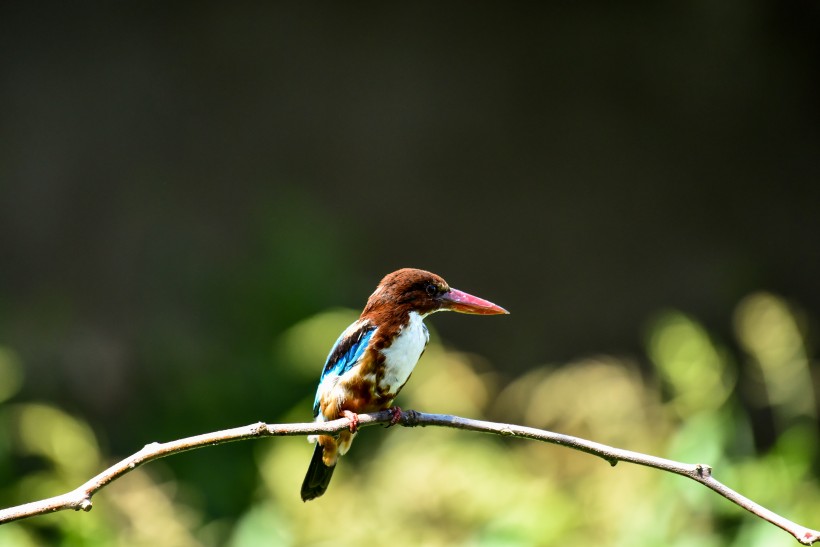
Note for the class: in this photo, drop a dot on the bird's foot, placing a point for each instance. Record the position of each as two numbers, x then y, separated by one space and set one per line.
354 420
396 412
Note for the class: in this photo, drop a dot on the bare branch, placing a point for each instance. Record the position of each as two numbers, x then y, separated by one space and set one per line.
80 498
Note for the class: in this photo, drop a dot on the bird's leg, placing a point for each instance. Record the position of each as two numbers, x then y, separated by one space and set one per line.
354 420
396 412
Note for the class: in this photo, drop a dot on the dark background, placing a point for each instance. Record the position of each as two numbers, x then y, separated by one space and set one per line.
180 184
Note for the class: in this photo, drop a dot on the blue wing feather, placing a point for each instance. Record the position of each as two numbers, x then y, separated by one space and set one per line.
345 353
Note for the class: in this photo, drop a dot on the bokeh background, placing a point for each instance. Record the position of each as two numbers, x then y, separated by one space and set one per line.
196 199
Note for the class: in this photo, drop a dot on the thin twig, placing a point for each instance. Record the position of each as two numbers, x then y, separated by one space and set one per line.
80 498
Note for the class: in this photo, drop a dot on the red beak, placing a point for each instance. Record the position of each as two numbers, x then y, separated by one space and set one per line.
456 300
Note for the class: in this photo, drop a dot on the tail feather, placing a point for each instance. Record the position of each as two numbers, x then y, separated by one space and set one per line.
318 476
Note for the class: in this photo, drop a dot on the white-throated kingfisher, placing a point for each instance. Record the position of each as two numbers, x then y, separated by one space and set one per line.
373 358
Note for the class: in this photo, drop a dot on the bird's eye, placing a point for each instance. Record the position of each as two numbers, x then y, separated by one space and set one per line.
431 289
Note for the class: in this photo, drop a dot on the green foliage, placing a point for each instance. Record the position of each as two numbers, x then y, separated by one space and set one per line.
444 487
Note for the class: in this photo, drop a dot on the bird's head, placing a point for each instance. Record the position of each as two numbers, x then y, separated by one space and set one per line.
425 293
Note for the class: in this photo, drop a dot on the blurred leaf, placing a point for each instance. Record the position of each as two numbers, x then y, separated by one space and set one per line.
67 442
768 330
261 525
695 370
15 534
603 398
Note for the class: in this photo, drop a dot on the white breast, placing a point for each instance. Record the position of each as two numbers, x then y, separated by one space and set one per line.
401 357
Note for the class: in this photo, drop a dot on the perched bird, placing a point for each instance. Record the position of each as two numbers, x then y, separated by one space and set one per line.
373 358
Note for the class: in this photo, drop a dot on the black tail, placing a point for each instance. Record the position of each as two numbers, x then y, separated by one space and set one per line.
318 476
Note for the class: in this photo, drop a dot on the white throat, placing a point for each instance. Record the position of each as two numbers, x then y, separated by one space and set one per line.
401 357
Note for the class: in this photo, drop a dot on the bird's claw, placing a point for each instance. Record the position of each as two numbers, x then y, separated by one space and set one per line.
354 420
396 418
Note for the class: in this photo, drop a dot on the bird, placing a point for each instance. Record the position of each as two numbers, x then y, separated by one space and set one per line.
373 358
